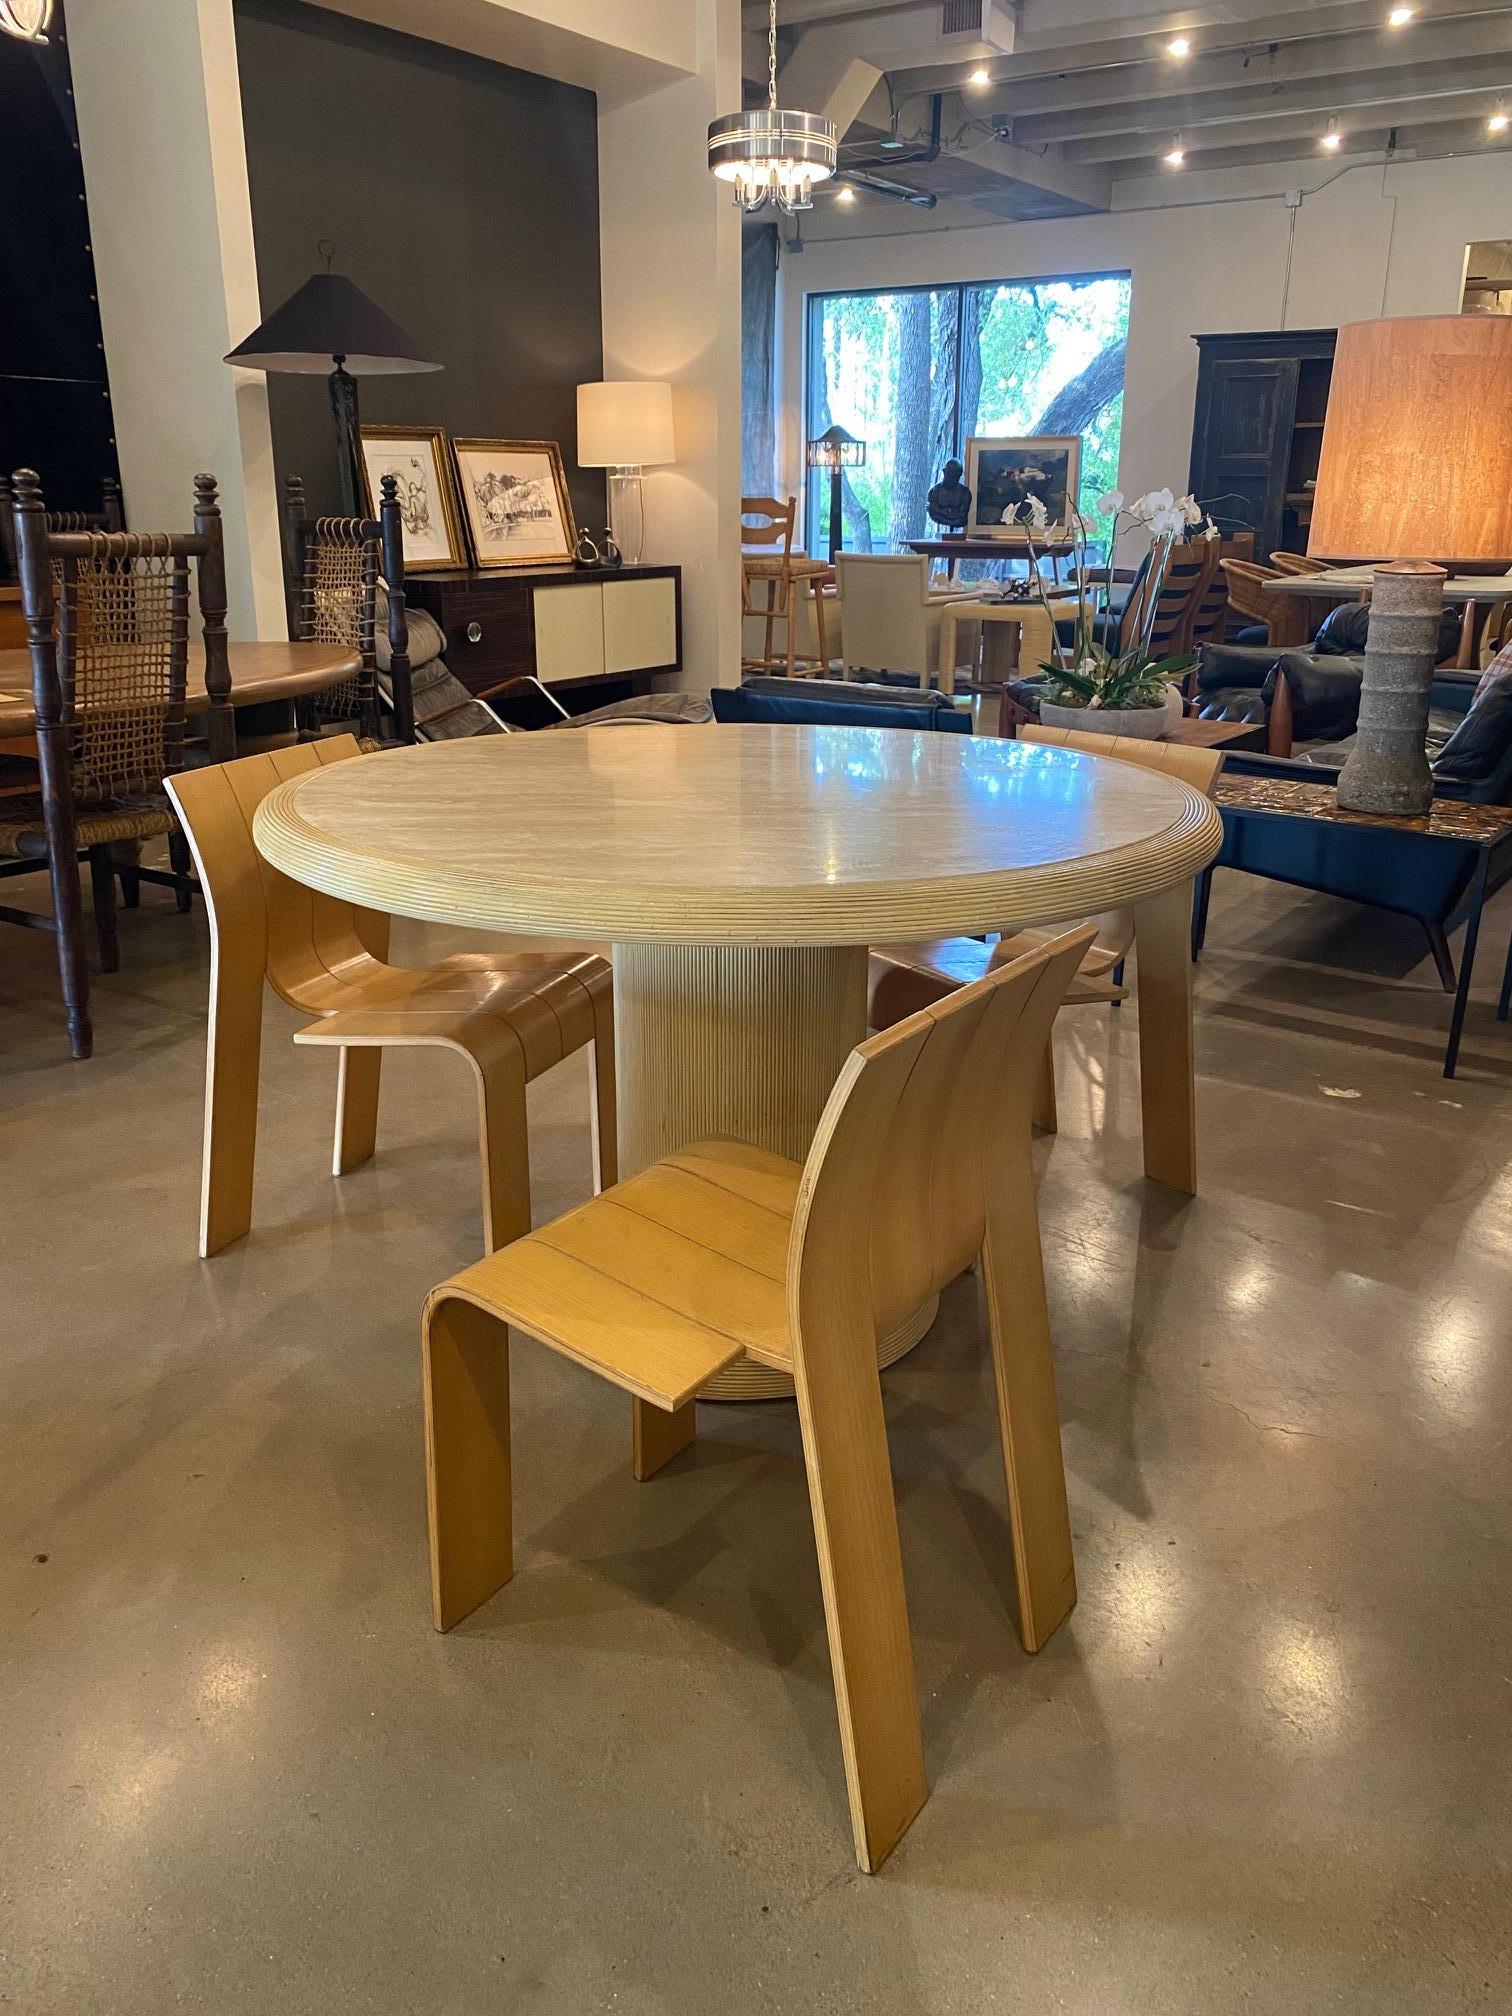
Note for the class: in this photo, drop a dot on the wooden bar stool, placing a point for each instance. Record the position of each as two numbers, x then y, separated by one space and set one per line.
510 1017
721 1248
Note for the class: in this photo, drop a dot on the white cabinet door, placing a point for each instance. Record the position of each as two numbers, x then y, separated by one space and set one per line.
569 632
640 624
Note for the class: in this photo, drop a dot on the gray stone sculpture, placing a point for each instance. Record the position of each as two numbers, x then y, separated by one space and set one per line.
1387 770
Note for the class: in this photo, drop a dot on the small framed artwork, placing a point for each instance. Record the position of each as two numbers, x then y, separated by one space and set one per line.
514 499
1003 474
417 457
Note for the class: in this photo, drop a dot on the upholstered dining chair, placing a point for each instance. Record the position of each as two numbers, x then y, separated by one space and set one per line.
905 978
510 1017
893 617
332 568
107 619
721 1248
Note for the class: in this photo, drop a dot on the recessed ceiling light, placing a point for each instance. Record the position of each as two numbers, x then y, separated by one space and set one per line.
1332 138
1178 46
979 79
1499 121
1400 16
1176 156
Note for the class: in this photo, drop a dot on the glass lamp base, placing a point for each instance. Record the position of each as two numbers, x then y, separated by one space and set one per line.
627 514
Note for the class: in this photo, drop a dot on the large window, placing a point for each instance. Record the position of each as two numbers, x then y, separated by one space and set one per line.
916 372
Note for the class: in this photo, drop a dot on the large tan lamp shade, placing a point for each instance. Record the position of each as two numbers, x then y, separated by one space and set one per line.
625 426
1415 469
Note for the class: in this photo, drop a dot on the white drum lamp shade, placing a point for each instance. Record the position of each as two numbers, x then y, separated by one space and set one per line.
625 423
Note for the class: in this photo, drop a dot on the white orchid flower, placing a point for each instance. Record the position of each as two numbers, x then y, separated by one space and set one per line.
1210 530
1147 508
1190 509
1039 513
1168 522
1110 503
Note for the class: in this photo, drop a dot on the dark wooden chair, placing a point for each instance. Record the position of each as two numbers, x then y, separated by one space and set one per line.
332 568
111 517
109 648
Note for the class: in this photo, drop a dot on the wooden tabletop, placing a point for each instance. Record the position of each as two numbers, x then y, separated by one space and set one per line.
1005 545
738 835
1349 582
259 673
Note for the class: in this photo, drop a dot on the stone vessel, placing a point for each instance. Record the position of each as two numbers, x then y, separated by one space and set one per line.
1387 770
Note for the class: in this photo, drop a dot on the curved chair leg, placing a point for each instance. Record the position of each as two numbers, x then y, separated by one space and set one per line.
467 1472
1045 1113
1018 1323
356 1106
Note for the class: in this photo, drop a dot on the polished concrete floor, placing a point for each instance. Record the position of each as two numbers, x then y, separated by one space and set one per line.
1267 1764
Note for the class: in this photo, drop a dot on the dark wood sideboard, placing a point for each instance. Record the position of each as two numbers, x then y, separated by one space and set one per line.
577 630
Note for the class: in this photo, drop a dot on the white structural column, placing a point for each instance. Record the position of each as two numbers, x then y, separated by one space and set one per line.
160 131
671 305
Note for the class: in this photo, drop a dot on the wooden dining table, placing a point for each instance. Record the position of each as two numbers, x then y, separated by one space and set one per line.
740 875
262 675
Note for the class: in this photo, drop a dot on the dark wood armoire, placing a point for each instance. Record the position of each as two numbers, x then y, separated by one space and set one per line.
1258 429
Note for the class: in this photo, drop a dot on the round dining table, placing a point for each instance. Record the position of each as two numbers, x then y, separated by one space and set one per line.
262 675
740 875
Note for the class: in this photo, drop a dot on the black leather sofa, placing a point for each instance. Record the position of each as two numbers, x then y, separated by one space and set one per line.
838 703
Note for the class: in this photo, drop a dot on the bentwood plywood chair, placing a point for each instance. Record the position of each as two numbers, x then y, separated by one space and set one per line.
511 1018
904 978
722 1248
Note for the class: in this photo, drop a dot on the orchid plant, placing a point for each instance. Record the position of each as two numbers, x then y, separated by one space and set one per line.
1086 672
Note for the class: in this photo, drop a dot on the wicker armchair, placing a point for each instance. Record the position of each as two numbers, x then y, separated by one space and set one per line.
109 651
332 567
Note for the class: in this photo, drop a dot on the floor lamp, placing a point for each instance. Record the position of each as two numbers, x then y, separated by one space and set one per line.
1415 470
836 451
625 426
330 326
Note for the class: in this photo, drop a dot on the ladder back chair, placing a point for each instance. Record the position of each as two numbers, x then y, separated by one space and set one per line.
905 978
111 517
722 1248
107 619
767 558
511 1018
332 568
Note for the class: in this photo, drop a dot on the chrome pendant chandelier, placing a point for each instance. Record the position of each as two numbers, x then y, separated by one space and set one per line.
25 19
771 156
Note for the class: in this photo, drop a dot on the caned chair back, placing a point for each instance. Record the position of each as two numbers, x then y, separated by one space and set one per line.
107 616
884 598
901 1177
308 941
332 570
111 517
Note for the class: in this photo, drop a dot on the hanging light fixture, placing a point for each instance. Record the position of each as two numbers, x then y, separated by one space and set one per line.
769 155
26 19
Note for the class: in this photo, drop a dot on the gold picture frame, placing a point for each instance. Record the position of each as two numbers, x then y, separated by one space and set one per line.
421 458
514 502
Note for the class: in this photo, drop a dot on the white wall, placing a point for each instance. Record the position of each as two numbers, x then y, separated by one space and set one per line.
670 259
165 170
1375 241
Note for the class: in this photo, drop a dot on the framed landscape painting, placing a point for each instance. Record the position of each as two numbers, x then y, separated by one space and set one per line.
417 458
1004 473
514 498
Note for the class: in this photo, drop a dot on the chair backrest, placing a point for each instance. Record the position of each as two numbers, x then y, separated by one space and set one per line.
332 567
111 517
259 916
1210 616
1297 563
1247 585
824 703
768 521
910 1159
884 600
1187 574
1197 767
107 618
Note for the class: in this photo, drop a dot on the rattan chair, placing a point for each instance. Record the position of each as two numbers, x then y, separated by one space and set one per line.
332 567
109 653
919 1165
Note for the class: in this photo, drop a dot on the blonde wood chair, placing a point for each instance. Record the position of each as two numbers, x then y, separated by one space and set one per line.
905 978
511 1018
722 1248
767 525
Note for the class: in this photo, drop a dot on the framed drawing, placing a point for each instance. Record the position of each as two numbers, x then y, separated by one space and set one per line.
514 499
1003 473
418 457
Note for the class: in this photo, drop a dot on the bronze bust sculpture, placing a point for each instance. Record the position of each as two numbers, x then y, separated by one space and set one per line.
950 500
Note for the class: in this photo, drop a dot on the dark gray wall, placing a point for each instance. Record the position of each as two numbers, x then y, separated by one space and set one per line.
462 196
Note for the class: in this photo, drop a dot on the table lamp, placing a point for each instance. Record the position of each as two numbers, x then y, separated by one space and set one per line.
329 325
625 425
836 451
1415 470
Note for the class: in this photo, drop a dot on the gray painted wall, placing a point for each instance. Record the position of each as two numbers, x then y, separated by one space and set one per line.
461 195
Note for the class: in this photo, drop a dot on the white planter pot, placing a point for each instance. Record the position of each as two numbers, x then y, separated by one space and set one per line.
1144 723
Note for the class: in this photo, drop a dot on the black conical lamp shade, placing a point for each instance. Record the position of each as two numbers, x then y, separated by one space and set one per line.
330 317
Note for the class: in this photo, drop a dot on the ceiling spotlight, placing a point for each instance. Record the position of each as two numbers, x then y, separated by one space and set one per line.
1176 157
1178 46
979 79
1499 121
1400 16
1331 137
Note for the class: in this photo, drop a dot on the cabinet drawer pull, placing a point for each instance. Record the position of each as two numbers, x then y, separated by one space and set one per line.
475 633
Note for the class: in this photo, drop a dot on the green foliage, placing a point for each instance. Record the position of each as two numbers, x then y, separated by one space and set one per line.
1109 679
